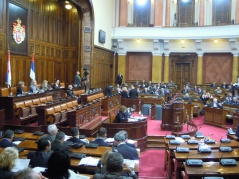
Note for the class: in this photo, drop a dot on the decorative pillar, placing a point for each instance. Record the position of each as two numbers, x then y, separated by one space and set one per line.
201 12
235 68
157 62
122 65
166 68
200 69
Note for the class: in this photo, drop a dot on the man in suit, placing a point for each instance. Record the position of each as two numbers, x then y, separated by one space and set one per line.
235 101
7 139
75 136
58 143
215 104
77 80
133 94
100 140
119 79
41 156
115 166
126 151
125 133
108 90
52 131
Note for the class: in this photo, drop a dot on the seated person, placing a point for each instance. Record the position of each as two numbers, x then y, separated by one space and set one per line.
58 143
108 90
58 166
20 88
234 101
114 167
70 93
121 117
215 104
125 133
224 85
33 88
218 90
7 139
44 86
41 156
213 85
8 160
102 162
124 92
126 151
27 173
56 85
186 97
100 140
75 136
52 131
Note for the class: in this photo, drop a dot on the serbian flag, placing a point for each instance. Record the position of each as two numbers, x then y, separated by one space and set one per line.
8 76
32 69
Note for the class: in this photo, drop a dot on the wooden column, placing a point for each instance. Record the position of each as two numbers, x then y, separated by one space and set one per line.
158 13
157 68
123 13
235 68
122 65
199 69
166 68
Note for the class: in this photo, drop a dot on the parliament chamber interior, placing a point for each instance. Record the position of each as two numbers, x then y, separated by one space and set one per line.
170 67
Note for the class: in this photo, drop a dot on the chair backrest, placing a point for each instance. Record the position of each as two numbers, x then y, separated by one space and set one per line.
14 90
57 108
28 103
36 101
19 105
112 117
62 85
50 111
69 105
49 99
75 103
63 106
4 92
42 100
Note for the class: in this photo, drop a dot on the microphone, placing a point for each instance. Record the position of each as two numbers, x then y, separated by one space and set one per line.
194 162
209 141
225 148
225 140
204 149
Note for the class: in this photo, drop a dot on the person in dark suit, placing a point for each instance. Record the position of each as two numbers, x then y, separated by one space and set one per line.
126 151
224 85
52 131
125 133
215 104
71 94
124 93
121 117
7 139
56 85
77 79
119 79
234 101
20 88
58 143
213 85
108 90
115 166
100 140
133 94
8 160
75 136
41 156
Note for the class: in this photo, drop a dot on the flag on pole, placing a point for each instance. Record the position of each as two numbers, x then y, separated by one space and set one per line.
8 76
32 69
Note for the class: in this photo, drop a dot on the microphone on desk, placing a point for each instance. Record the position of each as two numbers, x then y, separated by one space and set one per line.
194 162
211 173
225 140
208 140
224 149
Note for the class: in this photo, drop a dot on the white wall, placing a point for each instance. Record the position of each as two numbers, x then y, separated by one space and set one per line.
104 20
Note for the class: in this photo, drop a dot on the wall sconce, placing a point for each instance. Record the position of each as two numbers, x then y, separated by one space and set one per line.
68 5
215 41
182 41
138 40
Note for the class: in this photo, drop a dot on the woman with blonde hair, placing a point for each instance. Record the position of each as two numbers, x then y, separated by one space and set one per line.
102 162
20 88
121 116
8 160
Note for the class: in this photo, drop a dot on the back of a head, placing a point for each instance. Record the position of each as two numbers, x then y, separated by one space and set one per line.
119 137
60 135
58 164
125 133
26 173
51 128
42 144
102 132
74 131
114 163
8 134
104 157
8 158
122 108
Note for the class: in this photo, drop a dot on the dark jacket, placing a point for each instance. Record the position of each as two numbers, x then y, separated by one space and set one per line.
57 145
128 152
6 143
4 173
76 140
70 93
100 142
133 94
124 94
120 117
39 158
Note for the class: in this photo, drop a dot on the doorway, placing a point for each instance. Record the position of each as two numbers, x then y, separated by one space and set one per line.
182 74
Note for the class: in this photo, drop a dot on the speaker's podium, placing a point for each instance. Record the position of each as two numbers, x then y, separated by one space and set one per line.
172 117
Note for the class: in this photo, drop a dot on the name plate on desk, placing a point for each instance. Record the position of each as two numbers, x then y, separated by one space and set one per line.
228 162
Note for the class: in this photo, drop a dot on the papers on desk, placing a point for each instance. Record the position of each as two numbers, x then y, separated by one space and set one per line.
17 142
131 163
67 137
109 140
21 164
85 140
136 118
180 139
89 161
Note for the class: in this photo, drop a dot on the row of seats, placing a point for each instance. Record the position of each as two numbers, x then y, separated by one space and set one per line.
57 114
26 109
94 97
79 92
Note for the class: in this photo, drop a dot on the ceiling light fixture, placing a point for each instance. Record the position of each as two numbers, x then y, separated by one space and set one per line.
68 5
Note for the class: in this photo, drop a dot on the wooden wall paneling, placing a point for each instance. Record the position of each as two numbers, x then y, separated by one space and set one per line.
2 16
49 71
2 70
217 67
58 70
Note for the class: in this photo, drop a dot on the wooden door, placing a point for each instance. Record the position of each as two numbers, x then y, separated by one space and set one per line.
182 74
186 13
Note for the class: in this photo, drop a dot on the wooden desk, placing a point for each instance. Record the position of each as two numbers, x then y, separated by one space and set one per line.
111 104
28 135
215 116
211 169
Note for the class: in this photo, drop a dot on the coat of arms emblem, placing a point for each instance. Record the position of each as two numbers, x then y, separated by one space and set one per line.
18 31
